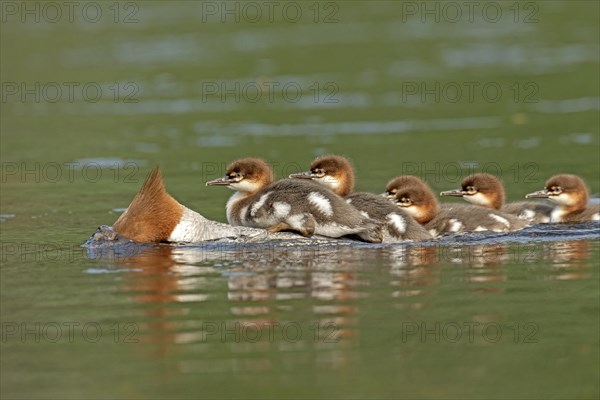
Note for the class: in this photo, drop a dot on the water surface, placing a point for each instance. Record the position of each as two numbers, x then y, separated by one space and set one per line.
475 316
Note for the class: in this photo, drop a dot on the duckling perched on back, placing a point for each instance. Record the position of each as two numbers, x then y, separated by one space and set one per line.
290 204
336 173
421 203
571 194
486 190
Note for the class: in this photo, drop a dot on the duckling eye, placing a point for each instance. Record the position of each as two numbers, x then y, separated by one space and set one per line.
319 172
471 190
405 200
234 175
556 189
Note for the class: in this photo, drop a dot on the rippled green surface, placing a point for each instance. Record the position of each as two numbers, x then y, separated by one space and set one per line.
338 321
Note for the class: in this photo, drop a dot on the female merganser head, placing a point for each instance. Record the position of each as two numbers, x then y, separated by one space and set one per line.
337 174
290 204
571 194
420 202
334 172
486 190
400 182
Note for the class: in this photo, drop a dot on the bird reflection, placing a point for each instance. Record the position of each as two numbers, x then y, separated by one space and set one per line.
569 259
268 286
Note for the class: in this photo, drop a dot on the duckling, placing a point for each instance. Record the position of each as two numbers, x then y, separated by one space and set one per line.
486 190
571 194
290 204
399 182
337 174
420 202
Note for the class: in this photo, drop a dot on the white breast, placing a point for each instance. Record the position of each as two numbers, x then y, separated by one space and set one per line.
557 215
478 198
229 207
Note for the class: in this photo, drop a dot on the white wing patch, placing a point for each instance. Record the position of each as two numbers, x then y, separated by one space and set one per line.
596 217
526 214
480 229
397 221
455 225
365 214
261 202
281 209
321 202
500 219
433 232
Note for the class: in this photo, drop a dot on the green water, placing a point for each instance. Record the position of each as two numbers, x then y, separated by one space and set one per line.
507 320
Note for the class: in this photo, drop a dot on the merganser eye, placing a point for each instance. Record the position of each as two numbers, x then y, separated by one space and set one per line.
553 189
405 201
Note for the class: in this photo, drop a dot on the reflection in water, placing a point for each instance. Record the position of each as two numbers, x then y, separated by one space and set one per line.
268 286
569 259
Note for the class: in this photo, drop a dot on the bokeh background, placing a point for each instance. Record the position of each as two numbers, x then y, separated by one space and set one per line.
95 96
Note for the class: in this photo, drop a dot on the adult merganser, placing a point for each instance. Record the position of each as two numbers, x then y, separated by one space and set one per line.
336 173
421 203
155 216
290 204
571 194
486 190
